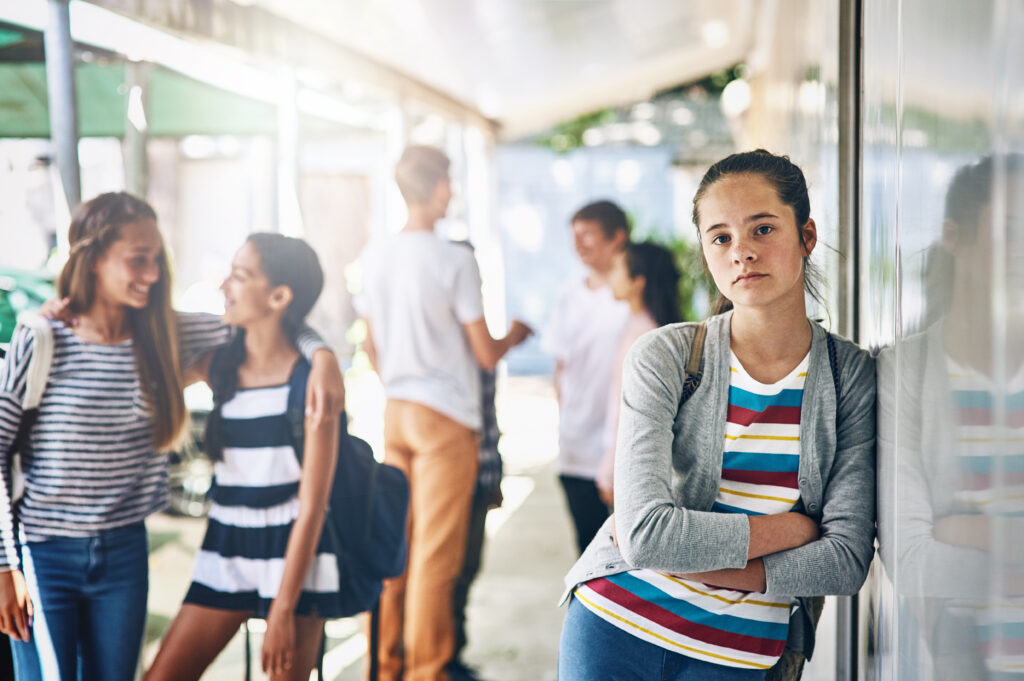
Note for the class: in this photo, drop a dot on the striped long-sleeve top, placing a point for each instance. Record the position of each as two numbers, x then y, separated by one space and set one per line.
89 460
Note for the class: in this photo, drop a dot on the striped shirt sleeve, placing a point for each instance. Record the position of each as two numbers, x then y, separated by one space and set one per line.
13 375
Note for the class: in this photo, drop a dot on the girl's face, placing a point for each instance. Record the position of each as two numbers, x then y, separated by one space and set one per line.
128 269
623 285
751 243
248 294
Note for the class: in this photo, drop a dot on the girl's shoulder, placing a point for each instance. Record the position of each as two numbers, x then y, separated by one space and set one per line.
853 367
847 351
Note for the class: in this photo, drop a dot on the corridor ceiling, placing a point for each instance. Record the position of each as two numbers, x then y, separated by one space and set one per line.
530 64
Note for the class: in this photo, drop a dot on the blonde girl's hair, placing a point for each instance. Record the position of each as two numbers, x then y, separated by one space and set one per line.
95 225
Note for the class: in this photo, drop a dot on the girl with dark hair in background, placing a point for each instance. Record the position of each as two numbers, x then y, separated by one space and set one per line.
262 555
645 276
745 488
73 555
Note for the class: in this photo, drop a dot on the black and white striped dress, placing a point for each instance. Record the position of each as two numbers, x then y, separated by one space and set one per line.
255 504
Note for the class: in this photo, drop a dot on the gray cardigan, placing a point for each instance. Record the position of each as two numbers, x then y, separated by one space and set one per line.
669 465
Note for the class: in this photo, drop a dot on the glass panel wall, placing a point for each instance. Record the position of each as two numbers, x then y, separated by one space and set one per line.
942 278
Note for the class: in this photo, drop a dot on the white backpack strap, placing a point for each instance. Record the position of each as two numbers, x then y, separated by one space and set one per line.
42 358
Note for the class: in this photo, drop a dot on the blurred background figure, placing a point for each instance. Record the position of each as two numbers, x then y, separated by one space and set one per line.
645 276
427 339
583 335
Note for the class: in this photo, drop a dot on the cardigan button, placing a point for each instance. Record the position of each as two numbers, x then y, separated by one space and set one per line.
812 507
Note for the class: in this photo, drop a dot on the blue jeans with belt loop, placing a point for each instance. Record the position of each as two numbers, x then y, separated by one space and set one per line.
594 650
89 595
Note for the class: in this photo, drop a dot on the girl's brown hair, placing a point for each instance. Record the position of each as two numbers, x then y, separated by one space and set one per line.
95 225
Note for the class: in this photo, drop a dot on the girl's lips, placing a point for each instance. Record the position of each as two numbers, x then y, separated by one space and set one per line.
748 277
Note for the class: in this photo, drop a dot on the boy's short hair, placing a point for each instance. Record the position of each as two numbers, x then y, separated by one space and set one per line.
605 213
419 170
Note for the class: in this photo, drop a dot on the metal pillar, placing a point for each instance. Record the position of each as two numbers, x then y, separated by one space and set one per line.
60 88
136 160
847 607
289 212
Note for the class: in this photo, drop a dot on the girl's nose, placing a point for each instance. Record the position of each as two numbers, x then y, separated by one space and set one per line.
742 252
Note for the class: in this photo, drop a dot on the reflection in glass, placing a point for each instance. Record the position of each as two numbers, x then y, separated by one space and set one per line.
951 441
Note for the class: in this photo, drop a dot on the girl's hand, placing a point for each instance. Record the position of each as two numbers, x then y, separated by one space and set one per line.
278 654
15 606
325 389
59 309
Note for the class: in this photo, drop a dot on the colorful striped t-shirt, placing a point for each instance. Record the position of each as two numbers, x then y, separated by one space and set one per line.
760 462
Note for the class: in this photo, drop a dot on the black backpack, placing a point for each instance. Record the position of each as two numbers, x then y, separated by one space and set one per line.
369 506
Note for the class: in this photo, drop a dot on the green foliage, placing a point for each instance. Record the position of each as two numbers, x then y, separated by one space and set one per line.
569 135
692 282
694 286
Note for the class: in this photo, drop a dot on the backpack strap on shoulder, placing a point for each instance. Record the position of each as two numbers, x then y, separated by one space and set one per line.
695 364
297 405
833 364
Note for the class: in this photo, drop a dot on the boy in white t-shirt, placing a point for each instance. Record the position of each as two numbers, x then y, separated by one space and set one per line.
587 323
427 339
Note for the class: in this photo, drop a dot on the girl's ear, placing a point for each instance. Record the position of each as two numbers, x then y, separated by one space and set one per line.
810 234
280 297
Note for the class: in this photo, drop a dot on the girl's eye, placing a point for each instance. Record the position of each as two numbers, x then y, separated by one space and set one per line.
720 239
765 229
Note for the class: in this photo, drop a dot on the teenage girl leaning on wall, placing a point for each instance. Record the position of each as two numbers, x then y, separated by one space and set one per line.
738 504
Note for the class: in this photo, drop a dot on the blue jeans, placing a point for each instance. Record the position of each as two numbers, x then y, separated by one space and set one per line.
595 650
89 596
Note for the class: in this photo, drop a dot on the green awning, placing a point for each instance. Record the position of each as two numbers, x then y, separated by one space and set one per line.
177 105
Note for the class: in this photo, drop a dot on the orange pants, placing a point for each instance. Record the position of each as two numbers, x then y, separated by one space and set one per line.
440 456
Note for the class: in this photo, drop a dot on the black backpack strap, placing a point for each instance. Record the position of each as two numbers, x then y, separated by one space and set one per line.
833 364
297 405
695 364
374 649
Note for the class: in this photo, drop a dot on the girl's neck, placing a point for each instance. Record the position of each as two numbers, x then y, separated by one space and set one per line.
104 323
269 355
595 279
636 304
770 343
968 339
